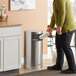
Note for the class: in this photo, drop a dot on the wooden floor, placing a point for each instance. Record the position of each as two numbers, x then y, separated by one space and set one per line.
46 62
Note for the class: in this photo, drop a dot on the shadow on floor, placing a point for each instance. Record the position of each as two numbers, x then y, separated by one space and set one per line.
45 73
8 73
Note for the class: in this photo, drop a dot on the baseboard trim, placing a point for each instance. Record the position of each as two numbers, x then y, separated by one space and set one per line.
22 61
45 56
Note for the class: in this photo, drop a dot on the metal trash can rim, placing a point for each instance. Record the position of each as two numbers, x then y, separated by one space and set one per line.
35 31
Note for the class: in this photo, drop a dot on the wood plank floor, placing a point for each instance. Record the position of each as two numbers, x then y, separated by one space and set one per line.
46 62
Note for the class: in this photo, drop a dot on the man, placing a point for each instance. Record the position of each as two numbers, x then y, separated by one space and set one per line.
63 18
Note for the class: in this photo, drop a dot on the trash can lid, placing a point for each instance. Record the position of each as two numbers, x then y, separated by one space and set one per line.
34 31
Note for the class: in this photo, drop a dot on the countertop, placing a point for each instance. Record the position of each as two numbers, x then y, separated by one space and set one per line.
8 24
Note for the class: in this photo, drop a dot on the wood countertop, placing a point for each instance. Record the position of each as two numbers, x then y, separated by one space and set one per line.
8 24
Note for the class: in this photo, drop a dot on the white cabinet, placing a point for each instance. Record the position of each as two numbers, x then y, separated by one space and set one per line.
10 48
1 54
12 52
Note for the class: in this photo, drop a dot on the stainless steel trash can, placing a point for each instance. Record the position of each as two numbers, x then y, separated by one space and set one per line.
33 47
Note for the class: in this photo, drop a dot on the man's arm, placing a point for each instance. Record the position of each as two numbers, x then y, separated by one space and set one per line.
52 24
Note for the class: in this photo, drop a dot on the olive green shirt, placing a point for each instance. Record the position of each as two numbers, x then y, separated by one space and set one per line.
63 15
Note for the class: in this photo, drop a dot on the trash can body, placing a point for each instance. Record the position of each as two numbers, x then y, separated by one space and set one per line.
33 48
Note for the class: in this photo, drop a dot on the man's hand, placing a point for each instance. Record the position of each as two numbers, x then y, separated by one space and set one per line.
59 30
49 30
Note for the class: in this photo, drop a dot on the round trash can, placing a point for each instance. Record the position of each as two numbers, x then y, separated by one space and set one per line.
33 48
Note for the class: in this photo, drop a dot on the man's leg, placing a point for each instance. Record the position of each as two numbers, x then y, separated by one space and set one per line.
60 55
65 44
